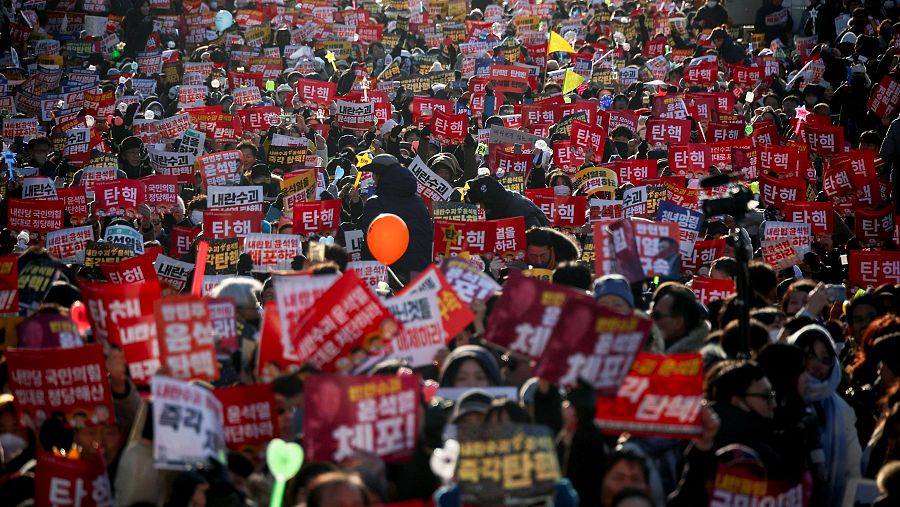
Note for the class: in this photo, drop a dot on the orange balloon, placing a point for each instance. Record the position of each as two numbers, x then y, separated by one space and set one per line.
387 238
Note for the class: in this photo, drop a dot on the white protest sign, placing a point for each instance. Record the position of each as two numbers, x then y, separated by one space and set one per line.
187 425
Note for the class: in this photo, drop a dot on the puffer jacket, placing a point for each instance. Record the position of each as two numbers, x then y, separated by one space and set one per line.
396 193
500 203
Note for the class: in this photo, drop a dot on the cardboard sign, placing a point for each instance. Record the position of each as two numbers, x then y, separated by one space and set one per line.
588 136
468 281
800 235
376 414
96 253
780 254
63 480
138 339
504 464
186 338
453 237
317 217
161 193
347 318
68 245
528 310
711 289
173 272
187 424
661 396
250 419
172 127
170 163
592 344
35 215
314 91
428 183
119 198
69 381
271 252
38 187
222 168
34 281
455 315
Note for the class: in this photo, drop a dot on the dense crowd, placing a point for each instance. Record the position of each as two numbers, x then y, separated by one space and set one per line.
616 254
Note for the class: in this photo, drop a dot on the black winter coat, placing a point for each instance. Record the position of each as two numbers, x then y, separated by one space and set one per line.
500 203
396 193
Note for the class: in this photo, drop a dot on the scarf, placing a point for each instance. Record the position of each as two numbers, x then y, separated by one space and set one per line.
829 407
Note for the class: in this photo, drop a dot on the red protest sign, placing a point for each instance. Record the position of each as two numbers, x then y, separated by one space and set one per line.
182 238
592 344
9 285
455 315
524 317
820 215
75 199
449 128
249 414
539 112
63 480
260 118
634 171
704 252
668 131
108 303
376 414
692 160
717 132
133 270
885 97
41 215
776 192
186 338
455 237
118 198
747 76
427 106
72 381
703 73
508 78
858 164
313 90
138 340
874 227
317 217
347 317
612 119
825 139
711 289
565 212
873 268
780 160
222 168
161 192
231 224
661 396
779 253
586 135
765 132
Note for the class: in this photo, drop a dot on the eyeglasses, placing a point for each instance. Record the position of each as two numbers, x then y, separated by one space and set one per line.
768 396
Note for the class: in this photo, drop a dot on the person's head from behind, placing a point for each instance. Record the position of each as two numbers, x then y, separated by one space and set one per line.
624 469
732 339
504 411
188 490
723 268
743 385
573 274
614 291
763 279
675 310
245 293
870 140
337 489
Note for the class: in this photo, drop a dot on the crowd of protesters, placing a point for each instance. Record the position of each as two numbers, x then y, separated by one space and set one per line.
798 357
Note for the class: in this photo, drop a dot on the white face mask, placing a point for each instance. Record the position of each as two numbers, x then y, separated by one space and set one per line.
712 3
197 217
561 190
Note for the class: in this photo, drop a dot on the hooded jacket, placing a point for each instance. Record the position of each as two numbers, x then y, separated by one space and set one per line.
501 203
480 354
396 193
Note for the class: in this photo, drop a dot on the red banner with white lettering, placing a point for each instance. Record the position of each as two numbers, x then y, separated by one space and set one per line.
317 217
186 340
711 289
35 215
705 251
885 97
231 224
563 211
345 415
249 414
872 269
71 381
63 480
873 228
661 396
775 192
585 135
449 128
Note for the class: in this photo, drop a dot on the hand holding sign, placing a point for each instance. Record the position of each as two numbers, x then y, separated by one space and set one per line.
284 460
388 238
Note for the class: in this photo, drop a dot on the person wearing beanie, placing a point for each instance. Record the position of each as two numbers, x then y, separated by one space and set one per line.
614 291
470 366
131 158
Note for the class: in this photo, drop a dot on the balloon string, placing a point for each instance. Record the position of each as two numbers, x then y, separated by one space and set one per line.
395 277
277 494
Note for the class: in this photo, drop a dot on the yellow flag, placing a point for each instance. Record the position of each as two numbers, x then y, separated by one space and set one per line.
571 81
557 43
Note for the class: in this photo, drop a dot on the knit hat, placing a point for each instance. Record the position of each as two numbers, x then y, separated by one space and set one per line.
614 285
131 142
